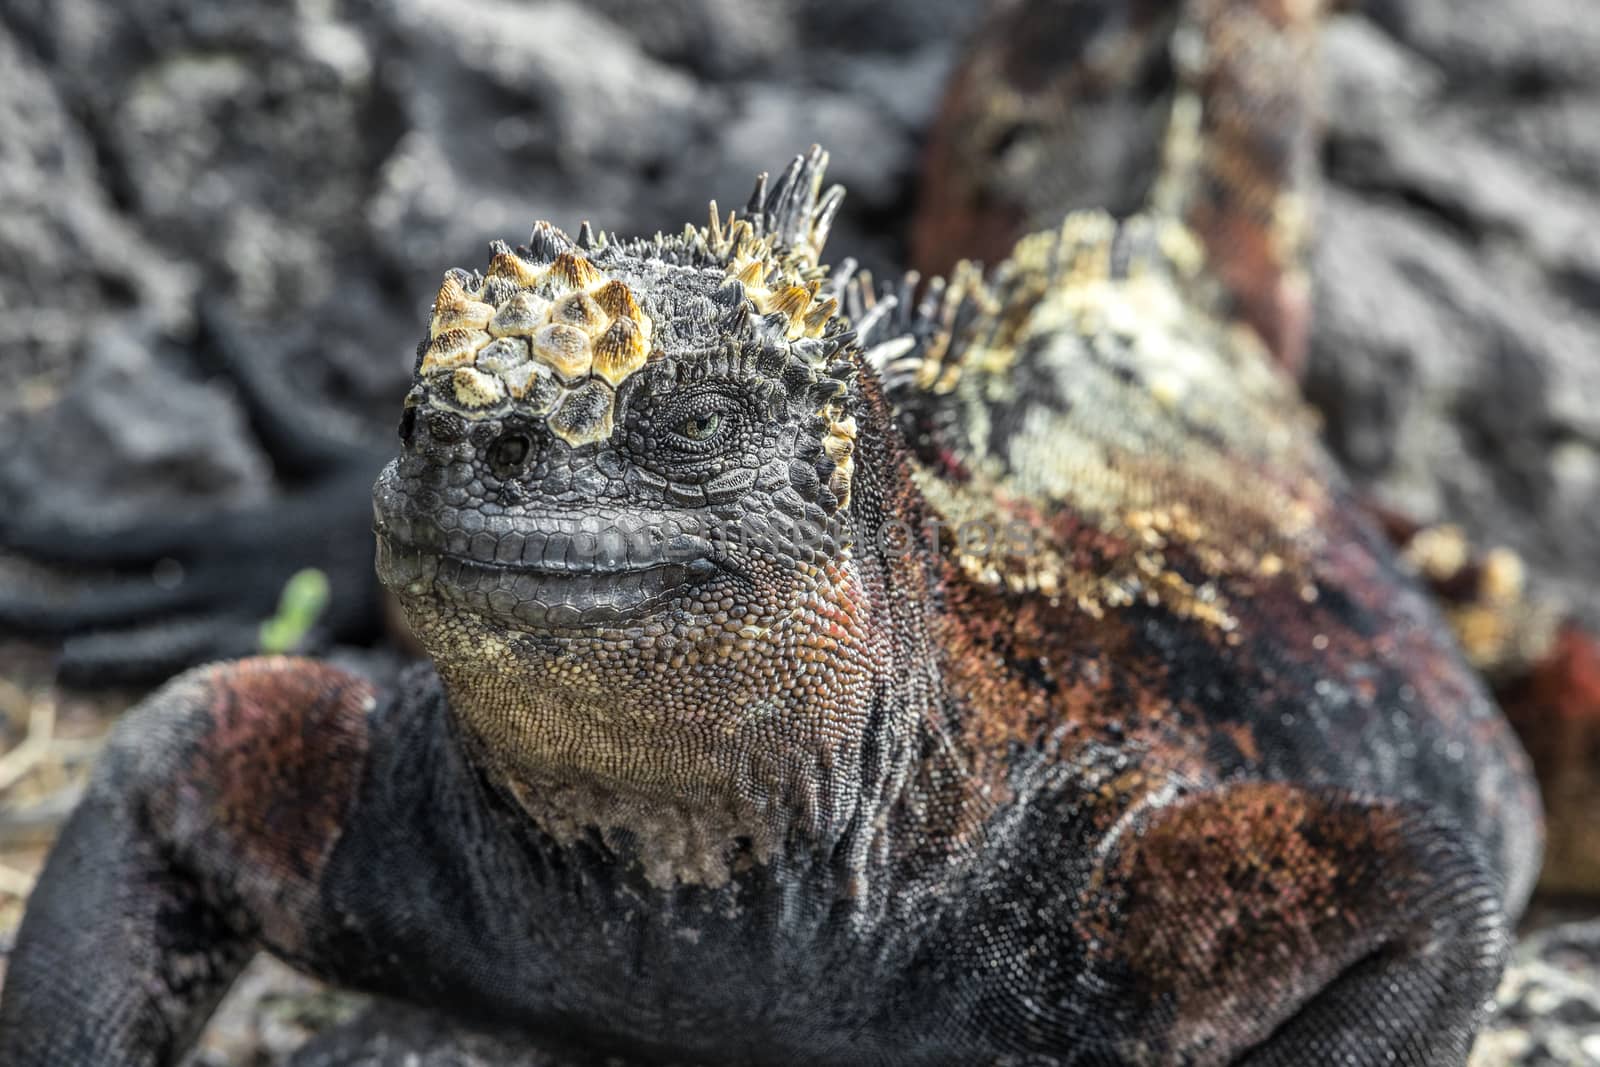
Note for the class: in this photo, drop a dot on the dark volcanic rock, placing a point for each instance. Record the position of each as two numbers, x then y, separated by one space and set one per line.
103 467
70 263
1455 352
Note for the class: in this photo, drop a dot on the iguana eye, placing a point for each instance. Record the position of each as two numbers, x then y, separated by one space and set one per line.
696 429
701 428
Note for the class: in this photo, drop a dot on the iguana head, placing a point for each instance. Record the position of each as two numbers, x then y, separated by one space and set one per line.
621 517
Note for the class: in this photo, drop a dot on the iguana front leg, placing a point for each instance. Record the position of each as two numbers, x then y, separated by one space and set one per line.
1273 926
202 837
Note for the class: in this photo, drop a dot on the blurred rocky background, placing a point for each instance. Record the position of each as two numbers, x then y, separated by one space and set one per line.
221 226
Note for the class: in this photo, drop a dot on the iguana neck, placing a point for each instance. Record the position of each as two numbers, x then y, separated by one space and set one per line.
688 804
693 782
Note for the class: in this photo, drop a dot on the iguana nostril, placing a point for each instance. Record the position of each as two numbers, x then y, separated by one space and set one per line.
510 452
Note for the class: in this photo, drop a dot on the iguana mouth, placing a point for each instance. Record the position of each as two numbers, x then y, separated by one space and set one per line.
548 600
549 573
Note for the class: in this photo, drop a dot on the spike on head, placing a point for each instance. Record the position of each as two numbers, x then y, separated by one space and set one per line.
619 351
818 316
464 315
582 311
575 271
511 267
617 301
714 234
520 316
453 348
565 349
758 196
778 247
751 274
791 302
546 243
451 292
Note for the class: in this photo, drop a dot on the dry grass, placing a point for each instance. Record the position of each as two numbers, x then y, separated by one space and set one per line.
48 741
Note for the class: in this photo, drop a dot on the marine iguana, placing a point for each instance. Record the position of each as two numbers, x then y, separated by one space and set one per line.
996 673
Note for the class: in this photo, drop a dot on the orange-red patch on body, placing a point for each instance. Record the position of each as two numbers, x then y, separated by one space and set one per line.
273 774
1224 890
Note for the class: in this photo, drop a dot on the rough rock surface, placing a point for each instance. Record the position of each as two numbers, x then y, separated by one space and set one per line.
189 440
1457 278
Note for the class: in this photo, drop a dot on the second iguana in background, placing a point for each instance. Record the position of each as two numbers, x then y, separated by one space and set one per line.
992 674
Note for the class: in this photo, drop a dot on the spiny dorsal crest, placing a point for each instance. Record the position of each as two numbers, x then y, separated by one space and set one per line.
924 337
774 252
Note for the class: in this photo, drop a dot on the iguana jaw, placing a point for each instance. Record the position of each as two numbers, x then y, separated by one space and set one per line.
554 573
545 600
684 745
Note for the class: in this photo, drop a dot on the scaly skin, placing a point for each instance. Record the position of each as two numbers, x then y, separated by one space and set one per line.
1003 677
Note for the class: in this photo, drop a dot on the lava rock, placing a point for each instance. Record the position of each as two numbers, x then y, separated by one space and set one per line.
1457 287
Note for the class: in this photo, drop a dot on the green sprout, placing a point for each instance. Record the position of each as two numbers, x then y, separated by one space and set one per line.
305 596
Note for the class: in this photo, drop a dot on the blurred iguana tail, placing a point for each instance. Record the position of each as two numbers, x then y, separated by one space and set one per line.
1200 109
1239 164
